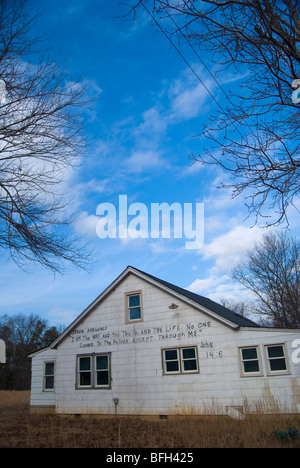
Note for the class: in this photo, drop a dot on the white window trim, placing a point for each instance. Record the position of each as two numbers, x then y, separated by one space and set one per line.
285 356
264 364
180 360
251 374
49 361
165 372
93 385
127 309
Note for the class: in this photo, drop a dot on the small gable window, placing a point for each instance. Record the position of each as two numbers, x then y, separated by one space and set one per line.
134 307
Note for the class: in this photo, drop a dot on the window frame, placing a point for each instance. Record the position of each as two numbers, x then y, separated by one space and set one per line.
93 370
45 376
128 307
181 360
80 372
102 370
165 361
244 373
271 372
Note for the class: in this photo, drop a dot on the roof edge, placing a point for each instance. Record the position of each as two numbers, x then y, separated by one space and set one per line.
156 282
90 307
167 286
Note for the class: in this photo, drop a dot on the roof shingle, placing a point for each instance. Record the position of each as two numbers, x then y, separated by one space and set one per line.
218 309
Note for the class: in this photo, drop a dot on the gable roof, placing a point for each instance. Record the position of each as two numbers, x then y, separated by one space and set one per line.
211 308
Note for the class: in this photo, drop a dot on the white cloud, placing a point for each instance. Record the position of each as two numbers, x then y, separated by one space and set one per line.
220 287
225 252
92 186
188 94
188 103
179 100
158 248
202 286
186 97
86 224
143 160
154 122
228 249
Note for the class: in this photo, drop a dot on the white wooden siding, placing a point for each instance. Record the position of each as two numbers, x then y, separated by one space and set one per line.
136 361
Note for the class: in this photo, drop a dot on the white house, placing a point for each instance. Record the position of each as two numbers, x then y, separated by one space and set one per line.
2 352
147 347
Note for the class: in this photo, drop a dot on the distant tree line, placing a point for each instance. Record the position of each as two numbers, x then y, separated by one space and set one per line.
23 335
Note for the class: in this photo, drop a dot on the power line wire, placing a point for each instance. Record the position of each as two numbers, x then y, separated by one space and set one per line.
189 65
181 55
200 58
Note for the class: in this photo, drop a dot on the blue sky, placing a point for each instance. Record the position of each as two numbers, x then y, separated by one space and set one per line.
148 106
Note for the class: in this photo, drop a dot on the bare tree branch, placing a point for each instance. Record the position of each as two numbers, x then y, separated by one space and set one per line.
41 140
254 137
271 270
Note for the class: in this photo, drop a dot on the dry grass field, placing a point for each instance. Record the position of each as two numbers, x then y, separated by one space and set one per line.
19 429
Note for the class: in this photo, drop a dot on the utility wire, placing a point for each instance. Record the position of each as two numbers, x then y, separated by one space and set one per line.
181 55
190 66
200 58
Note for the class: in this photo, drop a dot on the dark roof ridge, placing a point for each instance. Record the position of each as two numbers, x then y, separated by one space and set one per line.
205 302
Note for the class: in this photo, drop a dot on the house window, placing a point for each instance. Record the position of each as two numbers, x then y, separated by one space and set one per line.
102 370
48 376
85 371
189 360
93 371
250 361
171 361
276 359
180 360
133 307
